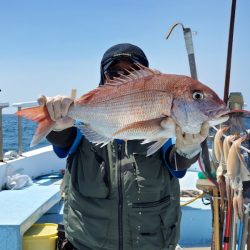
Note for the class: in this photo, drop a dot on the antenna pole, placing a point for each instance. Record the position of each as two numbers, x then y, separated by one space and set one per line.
229 51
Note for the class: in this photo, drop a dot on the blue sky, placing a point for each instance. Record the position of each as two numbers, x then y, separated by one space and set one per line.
51 46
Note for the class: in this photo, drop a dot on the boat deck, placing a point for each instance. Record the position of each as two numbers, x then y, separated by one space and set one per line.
20 209
39 203
197 248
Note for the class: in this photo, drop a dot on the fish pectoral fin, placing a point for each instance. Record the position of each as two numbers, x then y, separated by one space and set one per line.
156 146
141 126
168 123
153 126
93 136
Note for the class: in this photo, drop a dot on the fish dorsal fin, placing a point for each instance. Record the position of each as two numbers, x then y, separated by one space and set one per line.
132 74
87 97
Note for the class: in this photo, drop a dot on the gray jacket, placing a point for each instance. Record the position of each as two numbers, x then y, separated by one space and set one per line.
116 198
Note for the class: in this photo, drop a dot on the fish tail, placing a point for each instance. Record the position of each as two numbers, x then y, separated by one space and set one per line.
41 116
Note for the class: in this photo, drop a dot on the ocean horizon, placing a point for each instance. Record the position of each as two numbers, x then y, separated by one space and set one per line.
10 134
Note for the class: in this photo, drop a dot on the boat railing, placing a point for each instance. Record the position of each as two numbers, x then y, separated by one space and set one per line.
19 106
2 106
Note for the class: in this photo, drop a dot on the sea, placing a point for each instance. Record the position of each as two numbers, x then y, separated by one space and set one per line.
10 134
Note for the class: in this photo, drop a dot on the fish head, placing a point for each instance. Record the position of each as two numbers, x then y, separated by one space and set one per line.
195 103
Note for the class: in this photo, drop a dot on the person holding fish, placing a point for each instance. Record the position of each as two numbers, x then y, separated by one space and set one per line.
121 182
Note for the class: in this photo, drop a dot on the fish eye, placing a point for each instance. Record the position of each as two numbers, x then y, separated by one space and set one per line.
198 95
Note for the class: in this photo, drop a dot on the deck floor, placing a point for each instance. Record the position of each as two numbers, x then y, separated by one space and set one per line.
197 248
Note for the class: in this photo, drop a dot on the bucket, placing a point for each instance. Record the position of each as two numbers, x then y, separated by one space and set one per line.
40 237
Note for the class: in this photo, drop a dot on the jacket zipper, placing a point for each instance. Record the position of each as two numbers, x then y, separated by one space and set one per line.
151 204
120 195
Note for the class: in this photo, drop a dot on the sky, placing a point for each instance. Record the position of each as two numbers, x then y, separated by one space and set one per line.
51 46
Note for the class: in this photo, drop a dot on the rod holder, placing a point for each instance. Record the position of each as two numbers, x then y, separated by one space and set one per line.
189 47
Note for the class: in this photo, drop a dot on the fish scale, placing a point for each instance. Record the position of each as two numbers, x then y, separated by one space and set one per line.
138 110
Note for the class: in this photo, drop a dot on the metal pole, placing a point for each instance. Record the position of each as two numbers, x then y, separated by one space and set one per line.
190 50
229 51
189 47
2 105
19 123
1 136
248 235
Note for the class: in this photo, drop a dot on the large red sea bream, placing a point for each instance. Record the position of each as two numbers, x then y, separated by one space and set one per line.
145 104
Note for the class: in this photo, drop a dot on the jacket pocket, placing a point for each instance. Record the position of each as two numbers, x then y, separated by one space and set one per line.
87 230
151 204
151 175
89 172
145 223
170 227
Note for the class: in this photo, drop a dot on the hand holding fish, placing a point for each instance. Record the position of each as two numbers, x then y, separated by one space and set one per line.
188 145
58 107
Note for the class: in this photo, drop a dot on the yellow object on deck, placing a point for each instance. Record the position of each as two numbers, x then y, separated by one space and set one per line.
40 237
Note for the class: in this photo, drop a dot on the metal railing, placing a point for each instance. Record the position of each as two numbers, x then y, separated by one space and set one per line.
2 106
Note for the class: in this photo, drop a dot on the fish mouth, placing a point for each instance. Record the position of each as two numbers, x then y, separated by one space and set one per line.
218 116
218 120
214 114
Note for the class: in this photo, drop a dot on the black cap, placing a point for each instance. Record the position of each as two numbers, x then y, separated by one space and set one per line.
122 51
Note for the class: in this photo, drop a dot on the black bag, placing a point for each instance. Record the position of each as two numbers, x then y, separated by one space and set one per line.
62 242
